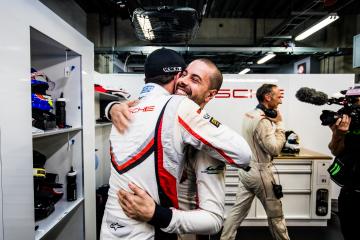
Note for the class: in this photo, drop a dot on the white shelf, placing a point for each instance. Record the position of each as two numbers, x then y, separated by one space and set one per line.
107 96
62 209
55 131
103 124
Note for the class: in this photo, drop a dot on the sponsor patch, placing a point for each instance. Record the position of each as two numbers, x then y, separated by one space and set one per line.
215 122
147 89
206 116
214 169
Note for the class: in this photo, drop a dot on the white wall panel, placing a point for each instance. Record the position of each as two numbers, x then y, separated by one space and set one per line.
1 201
239 96
16 18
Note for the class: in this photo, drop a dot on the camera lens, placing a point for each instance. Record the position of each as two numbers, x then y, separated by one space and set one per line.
328 117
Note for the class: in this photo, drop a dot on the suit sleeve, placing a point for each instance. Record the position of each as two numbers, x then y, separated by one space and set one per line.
204 132
108 108
208 216
270 139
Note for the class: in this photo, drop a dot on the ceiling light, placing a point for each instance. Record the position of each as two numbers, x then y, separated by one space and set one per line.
145 26
266 58
120 3
244 71
166 24
323 23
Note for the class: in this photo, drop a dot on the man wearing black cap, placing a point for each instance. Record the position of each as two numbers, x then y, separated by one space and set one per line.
202 184
150 153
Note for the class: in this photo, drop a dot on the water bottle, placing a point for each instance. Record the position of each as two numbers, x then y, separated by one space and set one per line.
60 112
71 188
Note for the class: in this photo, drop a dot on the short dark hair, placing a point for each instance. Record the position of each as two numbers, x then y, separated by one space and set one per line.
216 77
161 79
263 90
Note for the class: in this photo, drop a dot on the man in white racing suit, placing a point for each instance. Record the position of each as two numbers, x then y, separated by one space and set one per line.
264 131
151 157
202 185
202 188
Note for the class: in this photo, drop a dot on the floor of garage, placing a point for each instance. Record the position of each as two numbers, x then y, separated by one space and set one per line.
331 232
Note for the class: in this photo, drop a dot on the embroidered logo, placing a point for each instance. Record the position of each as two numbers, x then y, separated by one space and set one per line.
116 226
172 69
206 116
214 169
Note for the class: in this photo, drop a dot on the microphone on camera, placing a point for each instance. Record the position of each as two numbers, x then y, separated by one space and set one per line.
310 95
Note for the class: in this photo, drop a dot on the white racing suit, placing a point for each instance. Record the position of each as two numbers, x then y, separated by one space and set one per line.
202 190
266 141
150 154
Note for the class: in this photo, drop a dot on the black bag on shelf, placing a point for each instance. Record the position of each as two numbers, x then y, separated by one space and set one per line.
46 194
43 205
39 87
43 120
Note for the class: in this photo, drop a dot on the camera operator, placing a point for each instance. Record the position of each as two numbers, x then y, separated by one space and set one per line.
264 131
345 144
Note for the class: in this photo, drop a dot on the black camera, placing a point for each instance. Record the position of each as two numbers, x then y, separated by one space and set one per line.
349 99
350 108
277 188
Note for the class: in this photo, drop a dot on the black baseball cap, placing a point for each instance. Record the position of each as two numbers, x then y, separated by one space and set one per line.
163 61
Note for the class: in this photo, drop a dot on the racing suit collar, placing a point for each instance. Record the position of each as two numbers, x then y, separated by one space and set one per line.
152 88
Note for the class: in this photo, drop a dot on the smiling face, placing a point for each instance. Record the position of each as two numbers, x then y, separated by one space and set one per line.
195 82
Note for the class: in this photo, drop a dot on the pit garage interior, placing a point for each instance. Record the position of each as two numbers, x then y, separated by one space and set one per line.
76 44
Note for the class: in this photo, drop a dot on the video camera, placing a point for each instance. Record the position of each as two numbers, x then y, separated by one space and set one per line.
347 98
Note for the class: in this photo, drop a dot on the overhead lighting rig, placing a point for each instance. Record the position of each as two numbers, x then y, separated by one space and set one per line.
316 27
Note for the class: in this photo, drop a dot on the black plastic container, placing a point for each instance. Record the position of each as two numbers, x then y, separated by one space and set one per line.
71 187
60 112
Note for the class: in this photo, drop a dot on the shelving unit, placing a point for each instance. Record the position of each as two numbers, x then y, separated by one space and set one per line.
63 210
102 132
40 42
131 83
100 102
106 96
55 131
98 125
63 147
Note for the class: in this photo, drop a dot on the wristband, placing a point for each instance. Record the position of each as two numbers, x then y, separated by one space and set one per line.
162 217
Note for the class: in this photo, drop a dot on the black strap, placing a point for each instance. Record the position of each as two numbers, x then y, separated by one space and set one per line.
164 199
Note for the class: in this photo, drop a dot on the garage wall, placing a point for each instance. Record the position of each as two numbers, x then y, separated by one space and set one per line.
237 96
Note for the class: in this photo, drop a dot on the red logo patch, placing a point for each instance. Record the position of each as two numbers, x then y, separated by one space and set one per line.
142 109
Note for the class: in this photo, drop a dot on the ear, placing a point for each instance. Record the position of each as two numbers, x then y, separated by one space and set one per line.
177 76
267 97
210 95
